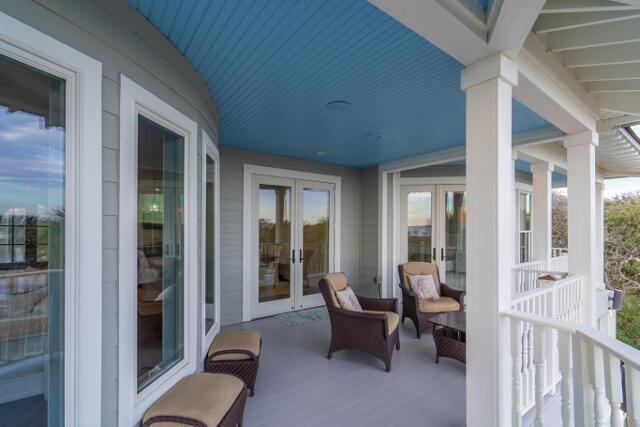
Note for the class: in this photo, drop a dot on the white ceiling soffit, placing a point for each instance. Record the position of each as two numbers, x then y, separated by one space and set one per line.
618 154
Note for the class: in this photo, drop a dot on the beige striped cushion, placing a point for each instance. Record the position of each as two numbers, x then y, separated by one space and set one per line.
205 397
235 340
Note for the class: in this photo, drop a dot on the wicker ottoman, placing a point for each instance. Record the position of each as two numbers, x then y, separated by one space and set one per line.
200 400
236 353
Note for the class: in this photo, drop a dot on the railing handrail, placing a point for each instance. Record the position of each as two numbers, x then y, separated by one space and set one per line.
617 348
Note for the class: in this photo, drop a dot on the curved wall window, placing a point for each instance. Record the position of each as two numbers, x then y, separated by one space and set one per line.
32 245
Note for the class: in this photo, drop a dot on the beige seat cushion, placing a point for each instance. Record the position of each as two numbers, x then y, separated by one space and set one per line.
420 268
441 305
337 282
392 318
205 397
235 340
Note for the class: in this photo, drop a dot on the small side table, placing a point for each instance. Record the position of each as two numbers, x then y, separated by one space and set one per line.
449 335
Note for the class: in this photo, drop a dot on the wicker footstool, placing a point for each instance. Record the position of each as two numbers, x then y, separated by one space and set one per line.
236 353
200 400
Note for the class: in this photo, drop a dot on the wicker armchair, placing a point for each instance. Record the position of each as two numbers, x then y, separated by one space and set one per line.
373 330
419 311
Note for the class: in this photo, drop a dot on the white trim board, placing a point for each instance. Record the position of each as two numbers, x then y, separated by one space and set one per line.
134 101
209 149
247 220
83 207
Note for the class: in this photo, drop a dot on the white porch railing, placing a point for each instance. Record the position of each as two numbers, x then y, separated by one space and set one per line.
561 300
525 276
590 372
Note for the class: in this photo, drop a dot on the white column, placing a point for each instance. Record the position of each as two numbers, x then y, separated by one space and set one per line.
542 181
581 180
600 234
490 242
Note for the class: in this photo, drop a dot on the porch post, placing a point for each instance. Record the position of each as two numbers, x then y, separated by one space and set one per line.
542 182
490 239
600 234
581 180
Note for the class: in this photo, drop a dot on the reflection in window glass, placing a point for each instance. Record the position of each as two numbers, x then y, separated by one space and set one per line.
419 226
209 294
160 287
315 236
32 216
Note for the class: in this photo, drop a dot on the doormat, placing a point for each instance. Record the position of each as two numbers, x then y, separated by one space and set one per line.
295 318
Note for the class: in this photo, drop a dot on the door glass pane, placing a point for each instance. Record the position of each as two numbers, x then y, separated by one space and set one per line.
455 239
419 226
315 235
274 242
32 216
160 287
209 302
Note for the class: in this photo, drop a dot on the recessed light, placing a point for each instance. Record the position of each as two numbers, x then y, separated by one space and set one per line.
338 105
374 136
321 153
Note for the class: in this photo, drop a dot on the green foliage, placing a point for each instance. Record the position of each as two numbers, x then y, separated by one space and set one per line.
629 320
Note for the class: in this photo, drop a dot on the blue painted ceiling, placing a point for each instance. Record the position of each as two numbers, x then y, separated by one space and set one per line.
272 67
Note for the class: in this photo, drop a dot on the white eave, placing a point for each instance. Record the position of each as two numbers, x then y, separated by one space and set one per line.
618 154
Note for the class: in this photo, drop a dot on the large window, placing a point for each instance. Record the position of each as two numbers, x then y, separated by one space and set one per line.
158 252
524 225
50 231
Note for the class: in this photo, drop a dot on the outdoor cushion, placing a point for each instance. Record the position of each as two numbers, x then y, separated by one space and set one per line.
441 305
348 300
338 282
205 397
392 318
420 268
235 340
424 286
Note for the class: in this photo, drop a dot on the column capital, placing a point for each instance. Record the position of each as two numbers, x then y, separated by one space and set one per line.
581 138
491 67
542 166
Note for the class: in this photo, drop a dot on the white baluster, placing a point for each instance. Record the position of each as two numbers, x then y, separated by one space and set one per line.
632 385
525 364
517 356
613 383
540 383
595 367
566 370
531 365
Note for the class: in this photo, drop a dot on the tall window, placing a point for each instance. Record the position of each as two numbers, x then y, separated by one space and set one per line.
210 251
524 224
160 285
32 245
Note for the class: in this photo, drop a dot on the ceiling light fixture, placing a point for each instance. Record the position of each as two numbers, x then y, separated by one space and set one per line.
338 105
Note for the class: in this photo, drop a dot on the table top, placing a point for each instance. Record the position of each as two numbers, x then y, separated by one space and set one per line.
456 320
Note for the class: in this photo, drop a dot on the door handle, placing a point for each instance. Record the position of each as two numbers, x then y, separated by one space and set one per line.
433 257
301 258
442 257
293 256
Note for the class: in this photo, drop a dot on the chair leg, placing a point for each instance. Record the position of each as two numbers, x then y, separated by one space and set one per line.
398 342
329 355
388 366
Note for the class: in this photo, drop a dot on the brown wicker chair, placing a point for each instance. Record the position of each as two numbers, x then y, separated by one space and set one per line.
373 330
419 311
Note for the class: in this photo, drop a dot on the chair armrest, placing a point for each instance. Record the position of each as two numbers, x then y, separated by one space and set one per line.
456 294
378 304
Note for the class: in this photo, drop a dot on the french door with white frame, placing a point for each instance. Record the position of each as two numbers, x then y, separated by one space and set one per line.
293 225
433 229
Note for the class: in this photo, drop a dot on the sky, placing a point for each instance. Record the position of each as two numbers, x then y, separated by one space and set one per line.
619 186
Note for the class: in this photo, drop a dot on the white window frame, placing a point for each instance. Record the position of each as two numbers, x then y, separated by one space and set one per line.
83 209
523 190
248 232
134 101
209 149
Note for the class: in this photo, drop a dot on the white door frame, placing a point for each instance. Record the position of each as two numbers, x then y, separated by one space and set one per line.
248 217
441 227
210 149
83 209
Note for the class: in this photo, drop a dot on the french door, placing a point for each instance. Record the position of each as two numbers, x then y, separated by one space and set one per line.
433 224
293 242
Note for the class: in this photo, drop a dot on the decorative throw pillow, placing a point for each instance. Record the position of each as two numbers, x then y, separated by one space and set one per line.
348 300
424 286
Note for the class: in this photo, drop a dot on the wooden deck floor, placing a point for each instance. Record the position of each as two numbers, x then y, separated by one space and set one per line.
298 386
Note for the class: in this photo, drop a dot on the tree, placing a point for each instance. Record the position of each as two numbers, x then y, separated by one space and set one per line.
559 225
